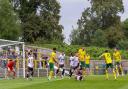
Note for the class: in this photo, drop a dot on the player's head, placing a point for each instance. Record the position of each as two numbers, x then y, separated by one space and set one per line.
10 59
76 54
115 49
62 53
29 53
54 49
83 48
106 51
71 54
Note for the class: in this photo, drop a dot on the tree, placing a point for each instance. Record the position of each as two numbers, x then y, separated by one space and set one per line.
40 20
123 43
9 23
103 14
99 38
107 12
125 28
75 37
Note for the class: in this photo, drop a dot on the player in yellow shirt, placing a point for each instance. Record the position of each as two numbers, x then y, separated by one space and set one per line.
117 58
108 60
87 63
52 61
82 54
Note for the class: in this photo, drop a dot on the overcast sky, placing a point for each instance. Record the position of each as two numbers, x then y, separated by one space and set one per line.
71 11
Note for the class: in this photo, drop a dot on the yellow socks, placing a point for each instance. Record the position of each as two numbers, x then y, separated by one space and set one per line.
114 74
117 72
50 75
106 74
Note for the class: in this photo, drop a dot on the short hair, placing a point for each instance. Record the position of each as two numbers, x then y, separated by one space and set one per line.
116 48
54 49
106 51
10 59
71 54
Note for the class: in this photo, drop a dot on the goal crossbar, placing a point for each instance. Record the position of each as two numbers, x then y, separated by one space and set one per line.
4 43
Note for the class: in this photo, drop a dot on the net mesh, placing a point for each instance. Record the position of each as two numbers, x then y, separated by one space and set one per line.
10 50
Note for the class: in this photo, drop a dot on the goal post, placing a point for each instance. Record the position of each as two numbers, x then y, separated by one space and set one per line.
8 43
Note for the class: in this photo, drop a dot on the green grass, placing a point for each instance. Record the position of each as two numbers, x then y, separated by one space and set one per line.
91 82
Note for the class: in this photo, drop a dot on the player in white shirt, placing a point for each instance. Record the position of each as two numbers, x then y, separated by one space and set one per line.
74 63
61 61
30 65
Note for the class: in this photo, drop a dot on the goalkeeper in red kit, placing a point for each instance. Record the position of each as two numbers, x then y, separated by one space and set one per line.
10 68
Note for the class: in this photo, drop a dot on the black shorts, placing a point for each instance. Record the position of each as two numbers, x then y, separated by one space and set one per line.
74 67
118 63
109 65
30 69
61 65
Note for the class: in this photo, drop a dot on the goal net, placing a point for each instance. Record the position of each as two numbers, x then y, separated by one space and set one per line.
14 50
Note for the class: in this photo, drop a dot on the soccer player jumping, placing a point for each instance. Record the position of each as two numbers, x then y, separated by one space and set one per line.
82 54
117 58
108 60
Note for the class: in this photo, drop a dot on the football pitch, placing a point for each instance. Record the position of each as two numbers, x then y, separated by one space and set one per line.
90 82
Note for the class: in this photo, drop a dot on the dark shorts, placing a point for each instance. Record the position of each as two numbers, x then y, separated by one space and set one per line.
82 64
87 65
110 65
117 63
61 65
74 67
30 69
51 66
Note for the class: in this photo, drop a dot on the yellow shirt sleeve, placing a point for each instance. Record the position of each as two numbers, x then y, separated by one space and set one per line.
52 58
87 59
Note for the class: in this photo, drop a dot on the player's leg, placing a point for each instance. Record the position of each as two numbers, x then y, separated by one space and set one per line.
116 68
88 69
121 69
51 65
82 65
8 73
114 73
28 73
31 72
70 72
14 73
63 71
57 71
106 71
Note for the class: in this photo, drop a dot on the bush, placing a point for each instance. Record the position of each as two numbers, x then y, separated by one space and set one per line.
95 52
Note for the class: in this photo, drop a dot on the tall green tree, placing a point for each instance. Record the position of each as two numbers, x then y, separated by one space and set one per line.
9 23
123 43
103 14
125 28
40 20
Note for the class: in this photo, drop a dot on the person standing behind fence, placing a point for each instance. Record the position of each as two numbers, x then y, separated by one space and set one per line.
117 58
30 70
52 61
108 60
87 63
